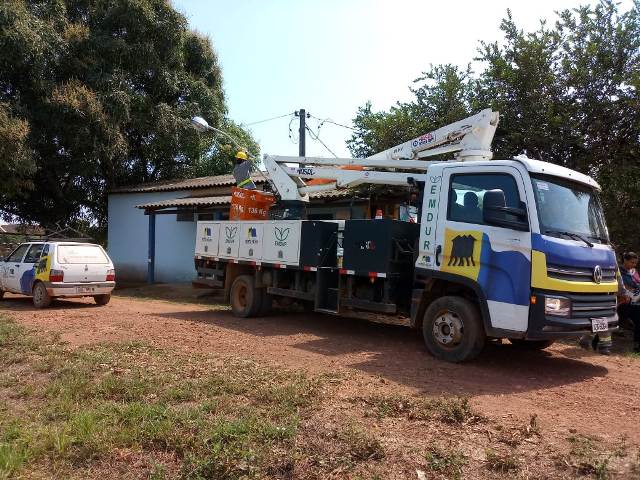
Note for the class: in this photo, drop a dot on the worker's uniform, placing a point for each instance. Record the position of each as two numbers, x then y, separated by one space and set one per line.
242 175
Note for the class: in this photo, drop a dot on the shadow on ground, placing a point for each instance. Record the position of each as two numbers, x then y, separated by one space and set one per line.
398 354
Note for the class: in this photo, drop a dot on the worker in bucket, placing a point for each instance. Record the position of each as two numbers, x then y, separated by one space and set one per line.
242 171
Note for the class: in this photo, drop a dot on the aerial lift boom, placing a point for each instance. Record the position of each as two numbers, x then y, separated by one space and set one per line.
468 139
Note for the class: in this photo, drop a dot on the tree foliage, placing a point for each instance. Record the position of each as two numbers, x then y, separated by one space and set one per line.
567 94
95 94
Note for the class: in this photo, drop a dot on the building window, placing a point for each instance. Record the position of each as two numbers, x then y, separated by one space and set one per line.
205 216
185 214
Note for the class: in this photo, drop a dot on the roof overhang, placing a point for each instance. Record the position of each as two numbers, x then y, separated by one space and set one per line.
187 202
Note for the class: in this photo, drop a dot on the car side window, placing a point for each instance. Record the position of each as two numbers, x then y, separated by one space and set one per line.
467 190
18 253
33 255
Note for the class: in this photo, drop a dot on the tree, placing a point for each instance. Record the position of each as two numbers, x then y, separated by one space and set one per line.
441 98
567 94
102 93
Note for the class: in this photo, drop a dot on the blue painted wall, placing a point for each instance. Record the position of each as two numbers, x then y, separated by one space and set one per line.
128 234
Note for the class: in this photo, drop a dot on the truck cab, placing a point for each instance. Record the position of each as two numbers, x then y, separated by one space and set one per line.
525 241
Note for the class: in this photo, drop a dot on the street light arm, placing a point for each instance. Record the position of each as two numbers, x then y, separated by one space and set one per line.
202 125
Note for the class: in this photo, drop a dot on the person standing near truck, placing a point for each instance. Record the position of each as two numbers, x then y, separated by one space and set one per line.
629 302
242 171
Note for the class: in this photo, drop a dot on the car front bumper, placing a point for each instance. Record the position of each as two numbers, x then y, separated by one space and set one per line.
80 289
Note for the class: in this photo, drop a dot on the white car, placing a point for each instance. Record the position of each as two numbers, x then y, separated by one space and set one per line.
46 270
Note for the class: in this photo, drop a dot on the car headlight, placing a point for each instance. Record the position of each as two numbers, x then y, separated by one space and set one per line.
558 306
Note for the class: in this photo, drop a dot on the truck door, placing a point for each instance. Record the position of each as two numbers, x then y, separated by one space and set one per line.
496 259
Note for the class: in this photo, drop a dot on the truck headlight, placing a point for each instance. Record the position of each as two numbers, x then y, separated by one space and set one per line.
559 306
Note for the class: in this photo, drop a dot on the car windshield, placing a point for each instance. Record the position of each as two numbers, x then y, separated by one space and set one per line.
567 208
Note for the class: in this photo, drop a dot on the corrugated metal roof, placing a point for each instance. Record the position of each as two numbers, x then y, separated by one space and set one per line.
226 200
187 184
187 202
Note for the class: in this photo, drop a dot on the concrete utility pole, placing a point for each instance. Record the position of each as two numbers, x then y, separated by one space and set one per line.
302 113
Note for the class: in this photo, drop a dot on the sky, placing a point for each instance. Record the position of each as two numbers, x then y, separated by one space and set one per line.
332 56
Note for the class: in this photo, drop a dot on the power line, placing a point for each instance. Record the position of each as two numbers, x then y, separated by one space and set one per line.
291 134
266 120
316 137
328 120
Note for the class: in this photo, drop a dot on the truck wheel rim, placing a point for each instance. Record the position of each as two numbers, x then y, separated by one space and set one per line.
242 296
448 329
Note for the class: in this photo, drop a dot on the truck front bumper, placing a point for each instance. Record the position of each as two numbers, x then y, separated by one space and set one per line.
80 289
584 308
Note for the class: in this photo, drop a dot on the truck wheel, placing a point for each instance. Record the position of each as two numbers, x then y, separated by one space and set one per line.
453 330
530 344
102 299
41 298
246 300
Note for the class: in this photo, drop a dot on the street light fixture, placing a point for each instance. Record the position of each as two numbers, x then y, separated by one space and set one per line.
202 125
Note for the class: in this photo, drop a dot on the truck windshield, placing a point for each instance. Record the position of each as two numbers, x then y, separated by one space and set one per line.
569 210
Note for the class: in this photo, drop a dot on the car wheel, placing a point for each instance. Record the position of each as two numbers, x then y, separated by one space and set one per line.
102 299
530 344
453 330
246 300
41 298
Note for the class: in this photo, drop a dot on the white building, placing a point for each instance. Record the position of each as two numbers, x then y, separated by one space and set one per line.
151 227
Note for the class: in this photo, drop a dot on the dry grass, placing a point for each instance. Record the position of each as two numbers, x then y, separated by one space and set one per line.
135 411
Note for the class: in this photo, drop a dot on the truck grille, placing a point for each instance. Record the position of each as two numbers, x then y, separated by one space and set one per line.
578 274
593 305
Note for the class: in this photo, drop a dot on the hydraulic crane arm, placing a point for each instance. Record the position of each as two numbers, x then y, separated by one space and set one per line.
469 139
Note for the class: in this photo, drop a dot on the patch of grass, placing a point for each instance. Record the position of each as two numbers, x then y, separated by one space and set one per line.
359 445
448 461
12 457
502 462
219 419
587 458
452 410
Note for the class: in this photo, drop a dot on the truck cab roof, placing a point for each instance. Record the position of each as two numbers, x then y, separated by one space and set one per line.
538 167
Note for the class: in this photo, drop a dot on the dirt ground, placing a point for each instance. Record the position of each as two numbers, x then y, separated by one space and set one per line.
566 387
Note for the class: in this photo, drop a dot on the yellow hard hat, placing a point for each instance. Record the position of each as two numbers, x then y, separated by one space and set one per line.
241 155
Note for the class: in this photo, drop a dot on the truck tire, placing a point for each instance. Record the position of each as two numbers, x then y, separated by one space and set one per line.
41 298
453 330
102 299
245 299
530 344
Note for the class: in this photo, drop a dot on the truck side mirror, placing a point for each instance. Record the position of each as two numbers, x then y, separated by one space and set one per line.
495 212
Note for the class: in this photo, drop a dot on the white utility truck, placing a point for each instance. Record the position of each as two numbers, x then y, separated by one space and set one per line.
514 249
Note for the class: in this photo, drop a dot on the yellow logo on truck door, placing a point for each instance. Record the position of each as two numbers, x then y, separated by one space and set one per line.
462 252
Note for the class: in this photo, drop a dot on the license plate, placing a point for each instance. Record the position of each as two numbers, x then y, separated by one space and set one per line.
90 290
599 325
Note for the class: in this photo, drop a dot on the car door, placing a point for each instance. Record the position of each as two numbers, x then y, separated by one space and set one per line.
496 258
11 269
28 267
